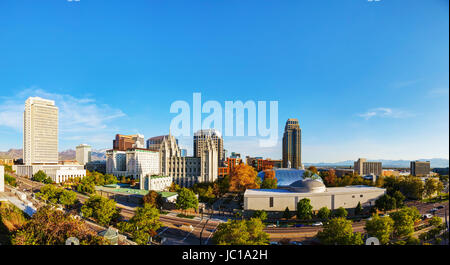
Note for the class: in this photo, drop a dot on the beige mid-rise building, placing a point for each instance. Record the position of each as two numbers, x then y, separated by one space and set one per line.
40 131
83 154
364 168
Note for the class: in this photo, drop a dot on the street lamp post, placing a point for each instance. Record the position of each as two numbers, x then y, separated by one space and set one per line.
201 232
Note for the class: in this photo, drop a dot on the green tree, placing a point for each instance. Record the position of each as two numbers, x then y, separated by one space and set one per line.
324 213
261 214
67 198
435 221
399 199
269 183
341 212
49 193
386 203
174 187
40 176
101 209
339 231
432 186
380 227
358 209
404 221
287 213
86 187
304 209
143 224
186 200
241 232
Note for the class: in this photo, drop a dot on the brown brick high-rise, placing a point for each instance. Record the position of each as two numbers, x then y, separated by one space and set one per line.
292 144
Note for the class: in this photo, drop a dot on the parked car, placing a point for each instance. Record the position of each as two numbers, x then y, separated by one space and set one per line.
317 224
296 243
427 216
433 210
271 225
384 215
440 207
274 243
299 225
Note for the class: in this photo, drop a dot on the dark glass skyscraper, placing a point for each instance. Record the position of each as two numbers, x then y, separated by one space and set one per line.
292 144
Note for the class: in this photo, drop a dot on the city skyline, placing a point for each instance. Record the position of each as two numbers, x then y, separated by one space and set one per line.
359 88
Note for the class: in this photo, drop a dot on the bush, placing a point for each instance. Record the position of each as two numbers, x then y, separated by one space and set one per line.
340 212
40 176
10 180
261 214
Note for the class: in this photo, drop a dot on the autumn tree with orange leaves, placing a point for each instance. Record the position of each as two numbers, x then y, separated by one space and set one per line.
244 177
330 178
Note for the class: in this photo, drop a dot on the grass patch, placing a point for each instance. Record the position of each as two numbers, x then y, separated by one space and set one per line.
185 216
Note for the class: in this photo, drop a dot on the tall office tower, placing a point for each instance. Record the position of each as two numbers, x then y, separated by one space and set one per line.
40 131
125 142
201 139
292 144
420 168
364 168
83 154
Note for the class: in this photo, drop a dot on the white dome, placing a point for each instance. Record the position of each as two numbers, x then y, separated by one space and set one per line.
308 185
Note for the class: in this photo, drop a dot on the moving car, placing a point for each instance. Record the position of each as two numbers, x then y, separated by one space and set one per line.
296 243
317 224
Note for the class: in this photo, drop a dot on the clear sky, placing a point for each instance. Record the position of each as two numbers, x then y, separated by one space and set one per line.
365 79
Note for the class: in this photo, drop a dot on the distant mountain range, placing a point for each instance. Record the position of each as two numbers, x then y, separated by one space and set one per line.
101 155
434 163
64 155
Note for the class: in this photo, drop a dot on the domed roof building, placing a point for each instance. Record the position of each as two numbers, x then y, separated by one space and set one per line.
308 185
287 176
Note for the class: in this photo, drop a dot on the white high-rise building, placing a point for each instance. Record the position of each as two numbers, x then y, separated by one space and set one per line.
40 143
83 154
40 131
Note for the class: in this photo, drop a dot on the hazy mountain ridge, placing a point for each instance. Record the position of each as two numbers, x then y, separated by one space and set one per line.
101 155
434 162
69 154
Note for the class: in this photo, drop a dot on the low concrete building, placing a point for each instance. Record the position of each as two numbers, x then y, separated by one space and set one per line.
315 190
58 173
156 183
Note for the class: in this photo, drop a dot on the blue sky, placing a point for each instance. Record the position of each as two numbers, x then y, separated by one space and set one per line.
365 79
